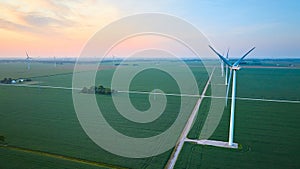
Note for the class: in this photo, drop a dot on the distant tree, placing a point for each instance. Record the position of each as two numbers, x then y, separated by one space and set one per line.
100 89
97 90
2 138
107 91
84 90
92 89
4 80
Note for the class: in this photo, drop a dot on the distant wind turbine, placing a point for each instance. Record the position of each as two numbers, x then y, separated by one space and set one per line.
54 61
113 57
226 69
222 68
28 60
233 67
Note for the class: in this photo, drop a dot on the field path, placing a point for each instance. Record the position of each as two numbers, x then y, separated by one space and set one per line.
61 157
257 99
171 162
40 86
167 94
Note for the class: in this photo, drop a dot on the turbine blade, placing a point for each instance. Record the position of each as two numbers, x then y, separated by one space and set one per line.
227 53
228 86
220 56
239 61
27 55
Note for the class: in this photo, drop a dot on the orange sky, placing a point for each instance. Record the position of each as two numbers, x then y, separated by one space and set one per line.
47 28
60 28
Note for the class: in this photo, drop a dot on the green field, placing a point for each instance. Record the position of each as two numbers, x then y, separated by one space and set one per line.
268 132
45 120
42 130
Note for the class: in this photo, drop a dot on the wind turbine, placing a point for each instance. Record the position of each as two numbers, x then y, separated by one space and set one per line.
233 67
222 67
54 61
113 57
226 69
28 61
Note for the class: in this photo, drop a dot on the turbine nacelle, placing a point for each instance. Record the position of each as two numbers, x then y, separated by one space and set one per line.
235 67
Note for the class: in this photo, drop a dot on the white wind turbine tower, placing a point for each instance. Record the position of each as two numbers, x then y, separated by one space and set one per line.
54 61
233 67
222 68
28 61
226 69
113 59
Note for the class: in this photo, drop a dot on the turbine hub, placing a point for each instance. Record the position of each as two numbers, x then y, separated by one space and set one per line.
235 68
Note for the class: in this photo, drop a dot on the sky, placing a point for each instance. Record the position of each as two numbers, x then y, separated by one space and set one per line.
61 28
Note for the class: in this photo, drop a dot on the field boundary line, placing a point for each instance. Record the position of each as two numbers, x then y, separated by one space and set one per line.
255 99
166 94
40 86
62 157
173 158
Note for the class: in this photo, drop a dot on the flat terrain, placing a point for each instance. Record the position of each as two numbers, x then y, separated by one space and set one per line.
42 130
268 132
44 120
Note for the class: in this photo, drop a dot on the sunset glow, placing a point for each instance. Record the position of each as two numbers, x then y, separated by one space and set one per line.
61 28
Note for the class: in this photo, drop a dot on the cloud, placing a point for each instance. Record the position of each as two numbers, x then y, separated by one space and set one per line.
55 16
34 24
38 17
13 26
35 19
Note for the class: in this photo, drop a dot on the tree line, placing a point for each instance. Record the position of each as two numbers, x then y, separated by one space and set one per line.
11 80
2 138
97 90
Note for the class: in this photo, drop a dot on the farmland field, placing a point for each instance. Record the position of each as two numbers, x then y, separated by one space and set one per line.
44 119
268 132
42 130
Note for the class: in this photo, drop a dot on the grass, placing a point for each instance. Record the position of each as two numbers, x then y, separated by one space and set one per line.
268 132
19 70
50 124
269 83
269 139
24 159
61 157
44 120
41 119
